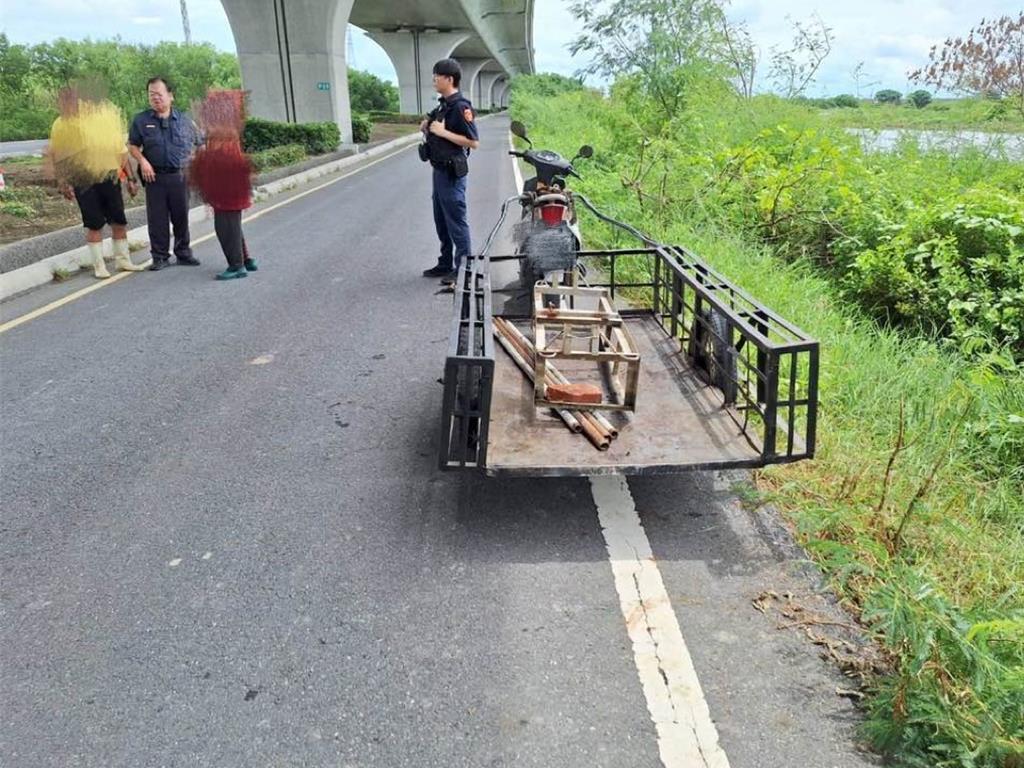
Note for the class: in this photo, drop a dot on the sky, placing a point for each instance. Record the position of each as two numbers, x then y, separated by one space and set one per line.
891 37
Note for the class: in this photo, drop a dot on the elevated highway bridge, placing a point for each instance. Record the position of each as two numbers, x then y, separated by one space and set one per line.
293 52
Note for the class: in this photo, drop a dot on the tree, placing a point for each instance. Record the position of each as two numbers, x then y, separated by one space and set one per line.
919 98
888 96
989 62
663 42
793 69
742 56
545 84
859 75
368 93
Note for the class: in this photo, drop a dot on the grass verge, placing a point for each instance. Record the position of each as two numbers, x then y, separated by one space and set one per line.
914 506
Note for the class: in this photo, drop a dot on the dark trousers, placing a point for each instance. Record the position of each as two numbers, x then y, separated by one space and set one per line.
228 226
167 203
450 218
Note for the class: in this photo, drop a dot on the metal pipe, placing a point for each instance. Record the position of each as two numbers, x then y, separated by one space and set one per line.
570 420
586 418
557 377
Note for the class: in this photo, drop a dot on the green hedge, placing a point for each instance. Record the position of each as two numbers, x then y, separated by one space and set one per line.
316 138
278 157
361 127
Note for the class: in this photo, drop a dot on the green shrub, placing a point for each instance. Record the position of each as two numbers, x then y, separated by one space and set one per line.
787 205
320 138
846 100
919 98
22 202
278 157
888 96
18 122
317 138
361 128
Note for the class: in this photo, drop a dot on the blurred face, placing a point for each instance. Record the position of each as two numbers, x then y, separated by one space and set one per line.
67 102
160 99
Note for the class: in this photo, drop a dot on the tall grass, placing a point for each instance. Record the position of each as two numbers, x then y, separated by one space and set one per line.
914 505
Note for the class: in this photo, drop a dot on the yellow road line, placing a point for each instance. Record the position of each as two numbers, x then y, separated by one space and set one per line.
11 324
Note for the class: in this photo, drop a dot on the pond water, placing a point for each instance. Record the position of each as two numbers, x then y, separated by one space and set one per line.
1010 145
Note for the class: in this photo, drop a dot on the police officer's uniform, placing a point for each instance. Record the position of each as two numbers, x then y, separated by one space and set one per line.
450 167
167 143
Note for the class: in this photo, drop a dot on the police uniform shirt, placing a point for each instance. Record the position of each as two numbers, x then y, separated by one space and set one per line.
459 117
166 142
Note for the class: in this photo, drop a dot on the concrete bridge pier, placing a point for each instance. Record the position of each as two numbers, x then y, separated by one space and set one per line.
497 88
471 69
483 98
414 53
293 61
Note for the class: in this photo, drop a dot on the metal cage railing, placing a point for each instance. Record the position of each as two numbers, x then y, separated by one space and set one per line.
774 391
468 370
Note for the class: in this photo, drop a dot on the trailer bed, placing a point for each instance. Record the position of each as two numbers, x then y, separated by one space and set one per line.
764 411
680 422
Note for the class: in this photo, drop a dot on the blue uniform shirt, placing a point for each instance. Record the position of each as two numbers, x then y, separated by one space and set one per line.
459 116
166 142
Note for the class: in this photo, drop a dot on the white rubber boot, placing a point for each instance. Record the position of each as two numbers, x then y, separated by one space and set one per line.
99 268
123 259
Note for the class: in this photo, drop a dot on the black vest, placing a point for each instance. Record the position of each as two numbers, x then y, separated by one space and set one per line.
442 150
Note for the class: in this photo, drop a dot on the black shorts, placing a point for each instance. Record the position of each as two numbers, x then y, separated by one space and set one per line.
101 204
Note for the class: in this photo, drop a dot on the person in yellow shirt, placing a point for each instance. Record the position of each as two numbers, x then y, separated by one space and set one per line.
89 159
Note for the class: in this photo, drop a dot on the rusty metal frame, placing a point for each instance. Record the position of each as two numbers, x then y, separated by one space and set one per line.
468 371
775 388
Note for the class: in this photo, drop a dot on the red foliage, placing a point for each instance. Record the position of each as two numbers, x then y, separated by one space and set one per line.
990 61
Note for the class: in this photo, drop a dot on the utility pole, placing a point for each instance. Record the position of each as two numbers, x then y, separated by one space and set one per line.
184 22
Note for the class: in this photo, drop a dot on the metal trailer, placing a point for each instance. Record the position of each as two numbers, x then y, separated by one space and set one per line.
764 412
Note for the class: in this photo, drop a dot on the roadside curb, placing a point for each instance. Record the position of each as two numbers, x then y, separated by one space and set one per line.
41 272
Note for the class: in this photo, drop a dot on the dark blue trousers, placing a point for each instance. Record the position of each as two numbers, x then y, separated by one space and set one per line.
450 218
167 206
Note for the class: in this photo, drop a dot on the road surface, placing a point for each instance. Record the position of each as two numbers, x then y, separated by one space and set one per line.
225 543
20 148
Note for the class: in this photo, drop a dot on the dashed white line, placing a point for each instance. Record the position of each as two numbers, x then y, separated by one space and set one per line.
687 738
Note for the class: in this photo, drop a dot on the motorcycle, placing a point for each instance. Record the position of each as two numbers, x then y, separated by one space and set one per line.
548 236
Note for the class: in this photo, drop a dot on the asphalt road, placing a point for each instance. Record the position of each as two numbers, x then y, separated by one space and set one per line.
224 541
19 148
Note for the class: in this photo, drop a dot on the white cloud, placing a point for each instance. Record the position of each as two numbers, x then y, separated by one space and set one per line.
147 20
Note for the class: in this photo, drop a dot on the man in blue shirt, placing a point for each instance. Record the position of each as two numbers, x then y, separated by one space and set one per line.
450 131
161 139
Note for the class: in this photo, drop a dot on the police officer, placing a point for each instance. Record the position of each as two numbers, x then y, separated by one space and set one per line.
161 139
451 133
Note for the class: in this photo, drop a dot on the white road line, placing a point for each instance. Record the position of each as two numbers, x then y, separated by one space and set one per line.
46 309
516 170
686 736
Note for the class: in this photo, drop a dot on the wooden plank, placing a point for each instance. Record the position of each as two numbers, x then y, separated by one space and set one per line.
679 424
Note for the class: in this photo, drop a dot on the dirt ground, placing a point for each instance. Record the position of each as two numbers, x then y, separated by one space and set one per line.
31 205
389 131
